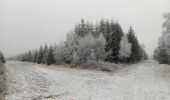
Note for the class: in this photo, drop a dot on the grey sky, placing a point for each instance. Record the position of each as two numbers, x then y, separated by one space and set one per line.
26 24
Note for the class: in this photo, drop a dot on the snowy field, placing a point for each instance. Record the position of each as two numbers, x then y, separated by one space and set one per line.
144 81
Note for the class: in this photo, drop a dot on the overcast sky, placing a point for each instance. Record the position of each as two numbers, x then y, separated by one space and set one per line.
26 24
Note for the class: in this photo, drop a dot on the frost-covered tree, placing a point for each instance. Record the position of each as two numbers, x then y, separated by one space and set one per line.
59 53
112 32
70 46
84 28
166 24
90 48
89 42
143 52
125 49
162 53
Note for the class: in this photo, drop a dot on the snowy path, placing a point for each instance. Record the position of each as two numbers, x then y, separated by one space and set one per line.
144 81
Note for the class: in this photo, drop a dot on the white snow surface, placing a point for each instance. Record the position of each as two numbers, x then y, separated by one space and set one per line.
147 80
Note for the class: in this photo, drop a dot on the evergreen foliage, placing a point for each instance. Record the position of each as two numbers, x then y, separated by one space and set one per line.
45 54
50 56
135 47
113 43
70 46
162 52
40 55
83 28
104 41
35 58
112 32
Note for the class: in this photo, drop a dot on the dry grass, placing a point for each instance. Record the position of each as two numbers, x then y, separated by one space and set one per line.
2 82
101 66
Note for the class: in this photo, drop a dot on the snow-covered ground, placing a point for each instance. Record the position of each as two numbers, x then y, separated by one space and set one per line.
147 80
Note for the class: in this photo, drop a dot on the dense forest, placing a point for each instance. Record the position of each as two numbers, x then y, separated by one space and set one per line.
162 52
104 41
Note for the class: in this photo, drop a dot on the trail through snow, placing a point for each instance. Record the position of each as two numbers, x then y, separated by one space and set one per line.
147 80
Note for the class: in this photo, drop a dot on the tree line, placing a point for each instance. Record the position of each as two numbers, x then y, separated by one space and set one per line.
103 41
162 52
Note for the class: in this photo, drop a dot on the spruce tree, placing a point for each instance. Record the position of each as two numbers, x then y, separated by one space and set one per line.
102 27
113 37
50 57
35 58
135 47
162 52
80 29
163 56
30 57
83 29
40 55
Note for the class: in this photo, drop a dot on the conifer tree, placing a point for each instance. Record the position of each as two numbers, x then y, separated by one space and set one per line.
113 39
163 56
30 57
50 56
135 48
25 57
162 52
62 53
69 47
35 58
82 29
89 42
45 54
40 55
102 27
